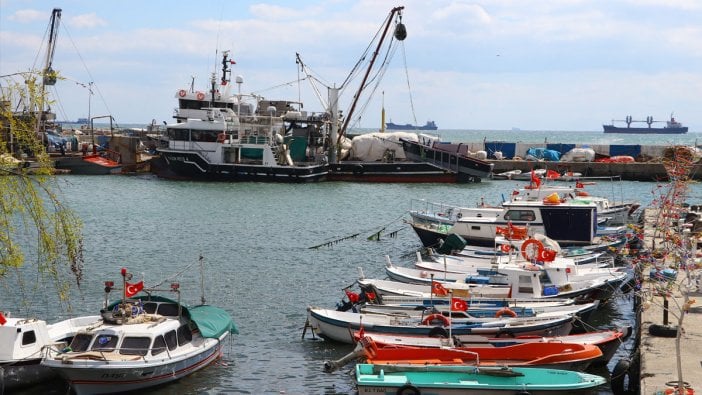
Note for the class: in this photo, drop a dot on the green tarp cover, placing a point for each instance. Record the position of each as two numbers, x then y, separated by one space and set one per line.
212 321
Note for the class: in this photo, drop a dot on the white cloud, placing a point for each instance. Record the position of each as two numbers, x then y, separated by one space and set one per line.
87 21
29 16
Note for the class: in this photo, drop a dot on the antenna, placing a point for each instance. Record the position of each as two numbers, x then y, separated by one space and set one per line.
202 279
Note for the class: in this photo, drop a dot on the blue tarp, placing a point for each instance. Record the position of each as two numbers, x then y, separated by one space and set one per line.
545 154
560 147
628 150
508 149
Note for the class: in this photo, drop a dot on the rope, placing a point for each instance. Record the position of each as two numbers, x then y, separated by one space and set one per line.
374 236
409 88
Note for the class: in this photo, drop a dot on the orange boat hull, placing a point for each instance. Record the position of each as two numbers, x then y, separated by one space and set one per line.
552 355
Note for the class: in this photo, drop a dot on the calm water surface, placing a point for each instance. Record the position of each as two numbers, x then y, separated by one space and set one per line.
255 240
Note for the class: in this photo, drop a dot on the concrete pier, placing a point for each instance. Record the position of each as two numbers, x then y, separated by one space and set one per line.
637 171
662 304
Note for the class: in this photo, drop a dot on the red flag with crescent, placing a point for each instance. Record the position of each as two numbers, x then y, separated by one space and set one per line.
438 289
458 304
133 288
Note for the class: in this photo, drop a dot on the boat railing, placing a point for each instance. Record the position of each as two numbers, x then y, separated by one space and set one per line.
421 208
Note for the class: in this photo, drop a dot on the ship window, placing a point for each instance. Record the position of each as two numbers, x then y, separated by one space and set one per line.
150 307
168 309
171 340
29 337
475 227
105 343
135 346
184 335
80 342
159 345
520 215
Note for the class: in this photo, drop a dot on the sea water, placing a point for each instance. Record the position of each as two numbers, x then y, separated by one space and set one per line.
257 244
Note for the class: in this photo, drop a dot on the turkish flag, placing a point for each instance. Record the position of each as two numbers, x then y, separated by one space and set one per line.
458 304
3 320
133 289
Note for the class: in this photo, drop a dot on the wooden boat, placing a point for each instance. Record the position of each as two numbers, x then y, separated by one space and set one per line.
339 325
608 341
468 380
140 342
525 280
549 355
459 309
389 287
22 341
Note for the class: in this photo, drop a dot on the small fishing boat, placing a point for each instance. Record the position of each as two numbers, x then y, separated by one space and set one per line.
339 325
141 341
22 341
549 355
468 380
607 340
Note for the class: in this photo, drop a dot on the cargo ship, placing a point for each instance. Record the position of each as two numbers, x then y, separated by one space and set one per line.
430 125
671 127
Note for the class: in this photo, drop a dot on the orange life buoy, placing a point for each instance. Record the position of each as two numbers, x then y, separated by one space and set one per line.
505 247
438 289
505 311
200 96
434 317
221 137
528 249
182 93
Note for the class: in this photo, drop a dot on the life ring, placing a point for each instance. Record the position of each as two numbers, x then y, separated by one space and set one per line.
505 311
408 389
676 388
200 96
436 317
505 247
528 247
182 93
221 137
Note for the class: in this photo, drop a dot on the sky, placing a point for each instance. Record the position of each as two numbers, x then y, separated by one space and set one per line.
562 65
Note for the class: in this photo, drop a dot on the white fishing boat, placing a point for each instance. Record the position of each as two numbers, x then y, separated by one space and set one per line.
339 325
225 136
22 342
568 215
141 341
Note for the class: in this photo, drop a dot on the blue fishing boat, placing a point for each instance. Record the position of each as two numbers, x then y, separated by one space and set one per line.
442 379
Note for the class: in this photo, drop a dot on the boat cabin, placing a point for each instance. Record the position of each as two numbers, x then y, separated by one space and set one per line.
149 337
22 339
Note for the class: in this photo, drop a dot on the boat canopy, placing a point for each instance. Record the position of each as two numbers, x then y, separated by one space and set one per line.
212 321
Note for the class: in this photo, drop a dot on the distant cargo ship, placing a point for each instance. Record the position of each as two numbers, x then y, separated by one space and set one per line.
430 125
671 127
